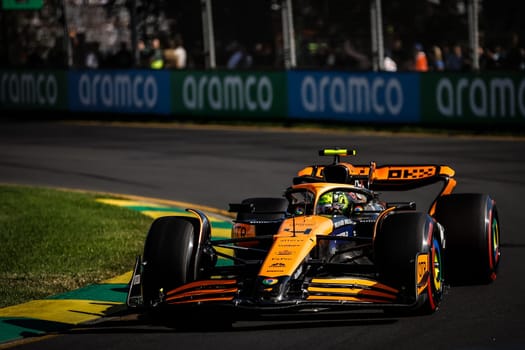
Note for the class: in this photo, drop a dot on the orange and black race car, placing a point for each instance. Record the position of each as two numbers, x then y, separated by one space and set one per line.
330 243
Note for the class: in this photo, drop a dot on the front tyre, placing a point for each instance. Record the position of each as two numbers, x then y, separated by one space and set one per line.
409 257
169 253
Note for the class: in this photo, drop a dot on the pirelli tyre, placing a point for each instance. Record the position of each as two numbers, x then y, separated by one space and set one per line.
472 234
168 256
409 257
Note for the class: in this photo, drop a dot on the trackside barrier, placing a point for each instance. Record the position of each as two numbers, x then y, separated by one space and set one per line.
128 91
488 98
493 98
33 89
229 93
362 97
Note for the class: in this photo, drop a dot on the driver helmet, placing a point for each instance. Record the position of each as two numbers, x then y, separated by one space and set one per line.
333 203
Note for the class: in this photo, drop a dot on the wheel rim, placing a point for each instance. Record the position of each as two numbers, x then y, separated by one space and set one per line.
436 266
494 246
435 281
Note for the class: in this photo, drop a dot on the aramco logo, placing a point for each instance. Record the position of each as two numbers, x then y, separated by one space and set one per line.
352 95
227 93
118 90
491 97
28 88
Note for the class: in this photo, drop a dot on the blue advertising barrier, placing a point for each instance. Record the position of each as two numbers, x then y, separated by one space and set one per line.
126 91
346 96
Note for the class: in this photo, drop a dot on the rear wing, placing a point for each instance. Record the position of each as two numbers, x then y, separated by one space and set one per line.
385 177
378 178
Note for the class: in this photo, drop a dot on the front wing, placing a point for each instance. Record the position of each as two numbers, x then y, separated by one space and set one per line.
317 293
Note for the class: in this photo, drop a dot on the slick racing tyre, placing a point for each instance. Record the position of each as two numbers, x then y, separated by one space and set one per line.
472 234
169 255
409 257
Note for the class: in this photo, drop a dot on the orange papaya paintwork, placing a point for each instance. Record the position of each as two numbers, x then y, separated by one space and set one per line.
294 241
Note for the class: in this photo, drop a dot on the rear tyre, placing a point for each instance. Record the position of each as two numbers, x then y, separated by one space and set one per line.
472 234
408 255
169 253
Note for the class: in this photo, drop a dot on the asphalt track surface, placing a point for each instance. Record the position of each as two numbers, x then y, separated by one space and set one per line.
216 166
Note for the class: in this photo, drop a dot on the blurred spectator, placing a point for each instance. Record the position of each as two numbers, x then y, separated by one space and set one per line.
455 60
436 61
400 55
239 58
92 59
495 58
170 60
36 38
420 59
180 53
143 54
176 55
157 57
389 64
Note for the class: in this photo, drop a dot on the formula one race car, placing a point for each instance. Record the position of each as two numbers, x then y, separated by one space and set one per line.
330 243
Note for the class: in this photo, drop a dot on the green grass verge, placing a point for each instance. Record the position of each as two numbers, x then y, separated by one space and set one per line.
54 241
